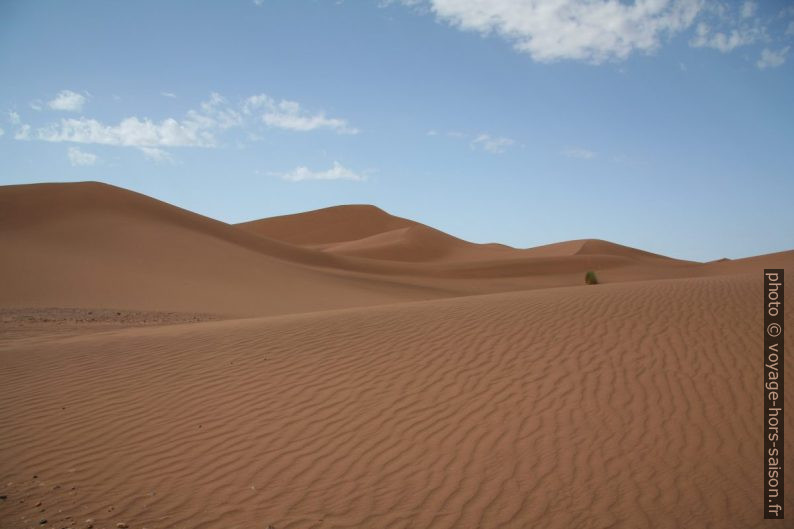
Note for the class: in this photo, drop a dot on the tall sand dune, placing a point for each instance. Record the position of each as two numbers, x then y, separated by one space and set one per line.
91 245
377 242
94 245
328 225
367 231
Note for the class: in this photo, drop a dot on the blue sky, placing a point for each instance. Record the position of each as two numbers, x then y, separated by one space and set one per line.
665 124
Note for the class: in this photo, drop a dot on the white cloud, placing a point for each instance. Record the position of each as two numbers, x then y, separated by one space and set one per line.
588 30
23 133
130 132
336 172
724 41
729 26
432 133
201 127
578 152
748 9
13 118
168 94
772 59
156 155
68 101
216 112
494 145
258 3
290 115
78 157
2 132
595 31
196 130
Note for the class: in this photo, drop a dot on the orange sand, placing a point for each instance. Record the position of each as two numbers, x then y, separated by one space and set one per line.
362 370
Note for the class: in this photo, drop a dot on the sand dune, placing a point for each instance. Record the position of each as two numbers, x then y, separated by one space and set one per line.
393 376
618 406
328 225
94 245
91 245
591 247
414 243
368 231
374 241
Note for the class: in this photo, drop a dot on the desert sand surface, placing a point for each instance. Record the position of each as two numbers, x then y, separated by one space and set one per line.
345 368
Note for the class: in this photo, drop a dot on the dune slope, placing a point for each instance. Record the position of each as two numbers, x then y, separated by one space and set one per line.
367 231
621 405
94 245
327 225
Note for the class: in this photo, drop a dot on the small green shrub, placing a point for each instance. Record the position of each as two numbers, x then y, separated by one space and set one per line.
590 278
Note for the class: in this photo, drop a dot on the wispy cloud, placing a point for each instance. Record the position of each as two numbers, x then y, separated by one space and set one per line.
23 132
216 112
156 154
13 118
481 141
168 94
200 127
68 101
289 115
748 9
336 172
78 157
578 152
772 59
2 132
130 132
491 144
706 37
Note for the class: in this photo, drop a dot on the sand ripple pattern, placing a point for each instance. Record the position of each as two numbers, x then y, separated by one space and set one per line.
628 405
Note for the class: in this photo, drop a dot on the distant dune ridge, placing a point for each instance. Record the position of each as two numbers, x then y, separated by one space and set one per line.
346 368
95 245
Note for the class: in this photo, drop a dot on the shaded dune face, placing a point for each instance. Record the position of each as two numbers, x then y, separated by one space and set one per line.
368 231
329 225
619 406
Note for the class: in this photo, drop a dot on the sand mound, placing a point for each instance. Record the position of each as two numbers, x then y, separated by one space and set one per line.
94 245
90 245
328 225
369 232
415 244
590 247
572 407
